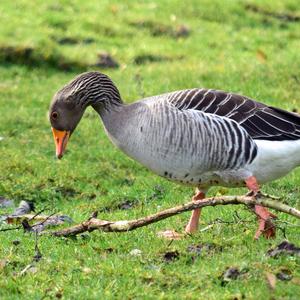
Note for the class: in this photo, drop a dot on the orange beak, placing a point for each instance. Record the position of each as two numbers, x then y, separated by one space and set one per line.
61 139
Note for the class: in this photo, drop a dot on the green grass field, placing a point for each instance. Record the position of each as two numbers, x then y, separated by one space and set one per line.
250 47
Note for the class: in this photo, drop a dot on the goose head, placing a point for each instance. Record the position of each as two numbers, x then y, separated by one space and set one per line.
70 102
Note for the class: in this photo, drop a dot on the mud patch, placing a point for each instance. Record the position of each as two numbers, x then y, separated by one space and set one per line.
170 256
105 60
230 274
73 40
282 16
127 204
66 191
124 204
198 249
34 57
159 29
151 58
158 193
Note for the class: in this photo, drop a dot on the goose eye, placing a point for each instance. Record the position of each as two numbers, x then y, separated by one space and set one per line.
54 115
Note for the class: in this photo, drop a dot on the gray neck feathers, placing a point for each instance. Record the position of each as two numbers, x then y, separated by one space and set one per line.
95 89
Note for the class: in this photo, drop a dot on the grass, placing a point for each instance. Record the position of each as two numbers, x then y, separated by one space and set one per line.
229 46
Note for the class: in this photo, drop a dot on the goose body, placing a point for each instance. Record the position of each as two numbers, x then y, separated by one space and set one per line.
198 137
195 147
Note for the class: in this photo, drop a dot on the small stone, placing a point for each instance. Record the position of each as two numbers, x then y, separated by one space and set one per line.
153 267
86 270
284 275
3 263
182 31
32 270
5 202
136 252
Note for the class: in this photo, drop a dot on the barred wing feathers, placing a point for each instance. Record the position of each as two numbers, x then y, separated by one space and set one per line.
259 120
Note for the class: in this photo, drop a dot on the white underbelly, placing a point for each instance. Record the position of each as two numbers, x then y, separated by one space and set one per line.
275 159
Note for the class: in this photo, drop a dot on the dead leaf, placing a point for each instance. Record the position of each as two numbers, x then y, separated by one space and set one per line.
271 280
135 252
3 263
261 56
284 248
296 281
169 235
86 270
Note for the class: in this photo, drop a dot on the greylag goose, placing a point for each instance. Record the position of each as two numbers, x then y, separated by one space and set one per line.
196 136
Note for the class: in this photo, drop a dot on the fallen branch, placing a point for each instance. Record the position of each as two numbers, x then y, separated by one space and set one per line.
121 226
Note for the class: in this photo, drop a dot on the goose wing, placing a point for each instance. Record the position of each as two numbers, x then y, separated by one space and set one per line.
259 120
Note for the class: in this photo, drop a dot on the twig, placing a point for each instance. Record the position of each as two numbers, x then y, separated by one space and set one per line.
37 253
46 219
38 213
123 226
29 218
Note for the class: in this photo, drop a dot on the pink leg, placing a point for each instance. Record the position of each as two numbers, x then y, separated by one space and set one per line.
193 224
265 227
